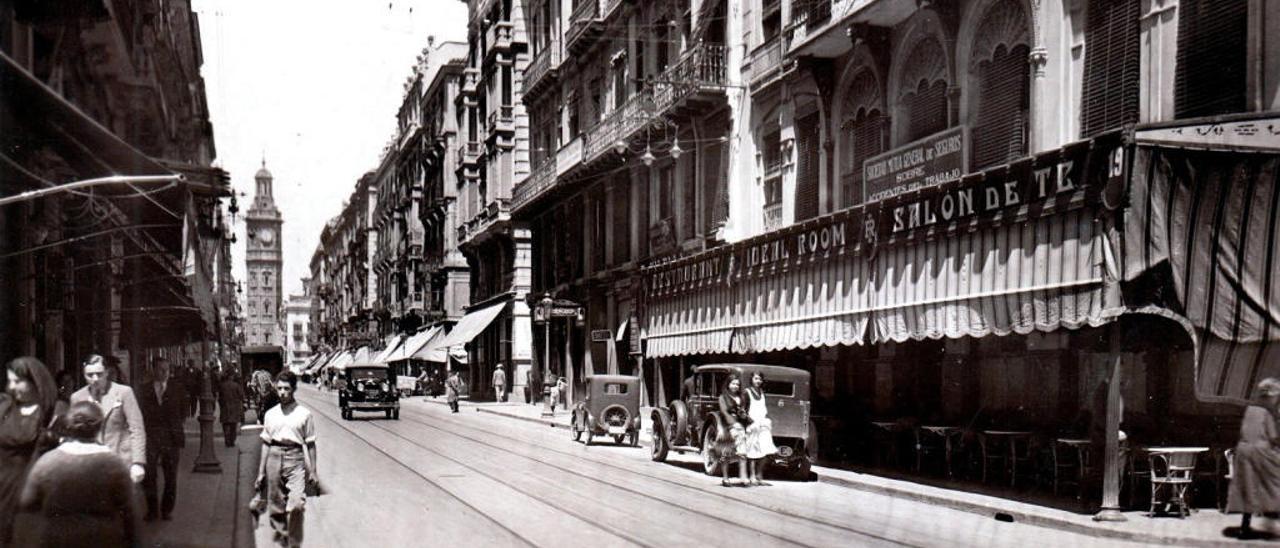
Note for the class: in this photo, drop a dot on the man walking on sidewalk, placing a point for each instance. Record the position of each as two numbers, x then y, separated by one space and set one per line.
288 462
164 409
452 388
499 383
122 427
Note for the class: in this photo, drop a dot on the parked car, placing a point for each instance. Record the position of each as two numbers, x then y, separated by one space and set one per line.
693 422
368 388
611 408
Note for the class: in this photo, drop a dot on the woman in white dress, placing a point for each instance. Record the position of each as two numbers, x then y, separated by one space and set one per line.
759 442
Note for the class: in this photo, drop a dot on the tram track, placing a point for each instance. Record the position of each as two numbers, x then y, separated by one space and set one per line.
465 432
614 531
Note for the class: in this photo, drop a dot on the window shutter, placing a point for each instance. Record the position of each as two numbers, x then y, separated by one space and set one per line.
1000 132
1212 61
868 141
717 183
621 223
1112 66
689 228
928 110
807 136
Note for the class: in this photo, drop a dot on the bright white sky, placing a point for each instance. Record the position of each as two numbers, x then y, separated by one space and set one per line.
315 85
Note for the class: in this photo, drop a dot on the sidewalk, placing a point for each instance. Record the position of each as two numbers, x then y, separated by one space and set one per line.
1203 528
212 509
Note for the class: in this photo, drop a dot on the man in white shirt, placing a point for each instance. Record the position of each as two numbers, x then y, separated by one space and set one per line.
288 461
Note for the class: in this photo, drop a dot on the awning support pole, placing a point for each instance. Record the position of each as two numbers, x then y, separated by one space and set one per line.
1111 468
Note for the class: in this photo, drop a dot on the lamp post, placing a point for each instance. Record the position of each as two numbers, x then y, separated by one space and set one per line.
546 304
207 460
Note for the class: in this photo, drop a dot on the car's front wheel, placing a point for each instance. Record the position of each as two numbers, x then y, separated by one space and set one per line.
710 456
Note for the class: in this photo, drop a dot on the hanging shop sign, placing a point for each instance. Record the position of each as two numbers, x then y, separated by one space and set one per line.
936 159
601 335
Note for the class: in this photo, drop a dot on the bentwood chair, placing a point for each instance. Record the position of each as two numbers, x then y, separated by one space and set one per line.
1171 476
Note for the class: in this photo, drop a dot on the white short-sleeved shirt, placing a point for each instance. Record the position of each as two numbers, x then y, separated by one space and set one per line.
296 427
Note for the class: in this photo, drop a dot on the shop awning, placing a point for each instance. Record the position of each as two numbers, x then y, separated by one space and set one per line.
392 344
341 361
414 343
472 324
362 356
316 363
1202 219
432 351
1011 249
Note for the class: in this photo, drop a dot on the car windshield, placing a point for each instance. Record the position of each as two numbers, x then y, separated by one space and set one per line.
615 389
364 374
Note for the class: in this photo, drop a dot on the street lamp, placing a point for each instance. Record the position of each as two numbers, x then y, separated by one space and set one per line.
546 304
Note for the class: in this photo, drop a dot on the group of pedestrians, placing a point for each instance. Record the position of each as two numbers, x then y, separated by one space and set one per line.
75 465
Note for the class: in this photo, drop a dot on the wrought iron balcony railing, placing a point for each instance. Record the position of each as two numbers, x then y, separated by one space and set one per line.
543 70
540 180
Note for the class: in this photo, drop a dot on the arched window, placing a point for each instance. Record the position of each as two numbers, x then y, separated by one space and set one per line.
861 134
924 96
1001 65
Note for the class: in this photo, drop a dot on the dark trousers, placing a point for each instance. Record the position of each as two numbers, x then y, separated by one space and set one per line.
165 460
229 432
454 405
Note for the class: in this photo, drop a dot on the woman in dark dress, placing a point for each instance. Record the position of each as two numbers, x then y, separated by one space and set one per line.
82 490
26 408
1255 481
732 448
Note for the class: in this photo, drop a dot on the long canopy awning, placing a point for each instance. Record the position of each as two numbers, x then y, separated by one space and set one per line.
1012 249
316 363
1203 204
472 324
341 361
392 345
414 343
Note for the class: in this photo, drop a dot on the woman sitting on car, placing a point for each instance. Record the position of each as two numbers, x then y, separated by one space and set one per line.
733 406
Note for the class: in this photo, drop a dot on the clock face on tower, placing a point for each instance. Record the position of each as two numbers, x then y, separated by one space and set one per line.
266 236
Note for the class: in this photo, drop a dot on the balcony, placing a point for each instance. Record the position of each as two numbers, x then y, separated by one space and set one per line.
585 27
502 120
499 37
806 16
542 179
469 153
765 64
496 212
470 81
543 71
697 78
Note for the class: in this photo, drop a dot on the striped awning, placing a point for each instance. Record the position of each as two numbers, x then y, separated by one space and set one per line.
1210 218
822 301
1042 274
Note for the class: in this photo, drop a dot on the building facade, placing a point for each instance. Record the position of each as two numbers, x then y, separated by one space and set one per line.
297 322
631 107
493 154
346 286
100 269
922 204
264 265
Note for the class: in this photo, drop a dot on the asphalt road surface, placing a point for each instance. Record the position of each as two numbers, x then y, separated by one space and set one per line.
477 479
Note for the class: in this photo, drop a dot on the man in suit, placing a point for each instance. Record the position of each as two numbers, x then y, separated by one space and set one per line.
122 425
164 408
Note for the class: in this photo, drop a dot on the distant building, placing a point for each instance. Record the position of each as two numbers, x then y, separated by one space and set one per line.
297 326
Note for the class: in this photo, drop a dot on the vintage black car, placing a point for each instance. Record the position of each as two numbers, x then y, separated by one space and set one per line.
693 422
612 408
368 387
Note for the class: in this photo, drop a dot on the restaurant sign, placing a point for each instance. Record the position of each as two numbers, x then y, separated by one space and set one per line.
936 159
1090 171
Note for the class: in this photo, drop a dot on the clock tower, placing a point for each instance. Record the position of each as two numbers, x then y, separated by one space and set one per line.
264 266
